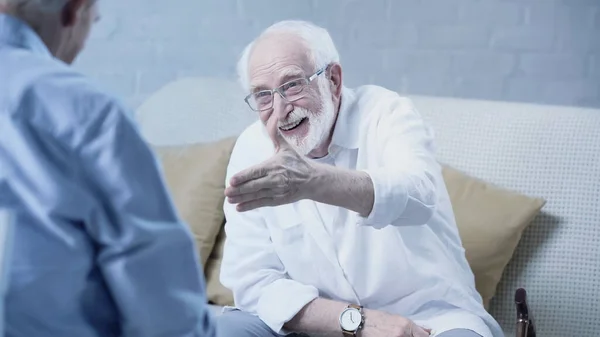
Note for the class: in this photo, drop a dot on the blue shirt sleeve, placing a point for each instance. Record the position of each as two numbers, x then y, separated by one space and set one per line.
145 253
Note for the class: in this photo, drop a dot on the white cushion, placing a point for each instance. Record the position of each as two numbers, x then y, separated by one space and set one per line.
194 110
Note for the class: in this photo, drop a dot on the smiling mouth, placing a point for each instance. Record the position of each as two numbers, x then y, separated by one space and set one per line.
292 126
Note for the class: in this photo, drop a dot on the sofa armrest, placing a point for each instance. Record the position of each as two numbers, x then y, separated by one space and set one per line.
525 323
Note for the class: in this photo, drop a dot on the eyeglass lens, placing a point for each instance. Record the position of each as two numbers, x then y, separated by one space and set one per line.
291 91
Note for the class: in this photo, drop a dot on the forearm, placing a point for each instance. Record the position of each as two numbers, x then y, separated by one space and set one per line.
320 316
349 189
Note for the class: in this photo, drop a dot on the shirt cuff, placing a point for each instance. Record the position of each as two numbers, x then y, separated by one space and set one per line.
389 202
282 300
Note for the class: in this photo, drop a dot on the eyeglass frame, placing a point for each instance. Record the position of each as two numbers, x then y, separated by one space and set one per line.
278 89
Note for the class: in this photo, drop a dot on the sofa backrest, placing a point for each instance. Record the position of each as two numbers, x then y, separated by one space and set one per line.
194 110
545 151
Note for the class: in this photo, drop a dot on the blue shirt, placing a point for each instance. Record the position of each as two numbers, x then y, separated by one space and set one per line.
98 248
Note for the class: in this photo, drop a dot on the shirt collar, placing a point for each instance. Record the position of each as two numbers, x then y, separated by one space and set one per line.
346 130
15 32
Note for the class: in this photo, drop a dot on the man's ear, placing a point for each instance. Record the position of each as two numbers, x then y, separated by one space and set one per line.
70 11
335 79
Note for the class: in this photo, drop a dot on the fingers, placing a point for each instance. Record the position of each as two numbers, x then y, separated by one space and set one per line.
254 204
268 187
244 198
273 183
251 186
421 332
248 175
264 193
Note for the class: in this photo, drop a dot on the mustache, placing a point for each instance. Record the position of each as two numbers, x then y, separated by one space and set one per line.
294 116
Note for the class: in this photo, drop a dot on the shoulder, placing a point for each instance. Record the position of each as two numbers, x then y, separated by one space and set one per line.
253 146
385 113
54 100
79 96
53 96
378 102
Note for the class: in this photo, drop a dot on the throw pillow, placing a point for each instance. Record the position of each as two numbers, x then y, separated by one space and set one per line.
195 176
217 294
491 221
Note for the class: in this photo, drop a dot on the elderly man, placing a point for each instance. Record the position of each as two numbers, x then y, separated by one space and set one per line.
98 248
338 219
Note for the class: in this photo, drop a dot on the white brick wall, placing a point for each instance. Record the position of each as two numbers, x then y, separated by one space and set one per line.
542 51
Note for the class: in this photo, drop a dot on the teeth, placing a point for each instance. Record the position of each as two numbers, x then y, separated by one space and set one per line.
291 125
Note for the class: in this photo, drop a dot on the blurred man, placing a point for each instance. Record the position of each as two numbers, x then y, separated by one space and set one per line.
98 247
338 218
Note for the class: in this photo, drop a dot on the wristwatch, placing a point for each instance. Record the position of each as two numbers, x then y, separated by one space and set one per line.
352 319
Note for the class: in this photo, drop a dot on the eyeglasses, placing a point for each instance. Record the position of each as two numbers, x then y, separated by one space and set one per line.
290 91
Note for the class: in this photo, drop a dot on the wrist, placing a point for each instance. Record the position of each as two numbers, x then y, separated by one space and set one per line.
319 183
370 318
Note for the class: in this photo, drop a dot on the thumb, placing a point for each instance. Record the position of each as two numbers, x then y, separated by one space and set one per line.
278 140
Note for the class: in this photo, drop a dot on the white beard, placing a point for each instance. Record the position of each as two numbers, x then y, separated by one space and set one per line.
319 126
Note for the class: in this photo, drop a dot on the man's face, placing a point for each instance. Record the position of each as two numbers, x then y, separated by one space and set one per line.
305 123
78 16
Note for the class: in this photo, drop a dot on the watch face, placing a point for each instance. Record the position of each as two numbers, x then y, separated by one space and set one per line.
350 319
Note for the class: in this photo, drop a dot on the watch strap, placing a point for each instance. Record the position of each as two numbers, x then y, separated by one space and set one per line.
358 307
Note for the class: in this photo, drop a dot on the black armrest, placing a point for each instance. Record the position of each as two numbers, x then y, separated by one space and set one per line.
525 324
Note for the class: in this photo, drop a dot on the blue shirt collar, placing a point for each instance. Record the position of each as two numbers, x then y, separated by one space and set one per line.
16 33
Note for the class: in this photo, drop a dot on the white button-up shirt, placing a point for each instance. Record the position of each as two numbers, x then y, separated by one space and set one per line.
405 258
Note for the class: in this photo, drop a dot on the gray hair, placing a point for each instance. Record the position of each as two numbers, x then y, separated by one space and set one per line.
44 5
321 49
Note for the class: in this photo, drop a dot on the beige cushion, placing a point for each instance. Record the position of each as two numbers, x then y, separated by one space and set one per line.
490 221
195 177
216 292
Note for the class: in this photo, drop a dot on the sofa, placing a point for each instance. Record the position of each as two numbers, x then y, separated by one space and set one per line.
524 180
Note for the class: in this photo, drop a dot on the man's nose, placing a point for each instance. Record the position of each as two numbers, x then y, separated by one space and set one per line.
281 107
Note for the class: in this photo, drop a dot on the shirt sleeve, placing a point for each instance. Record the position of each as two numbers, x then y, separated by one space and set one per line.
405 181
254 273
147 255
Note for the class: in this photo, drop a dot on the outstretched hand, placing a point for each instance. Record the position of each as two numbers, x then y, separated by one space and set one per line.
280 180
